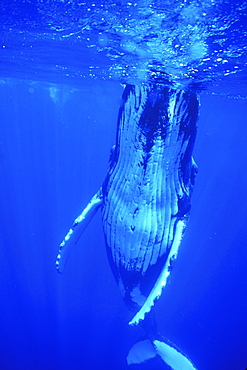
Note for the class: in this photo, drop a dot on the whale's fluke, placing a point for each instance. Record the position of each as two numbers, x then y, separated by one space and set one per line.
167 354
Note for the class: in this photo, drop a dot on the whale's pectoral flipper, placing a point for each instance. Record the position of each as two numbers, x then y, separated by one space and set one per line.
79 225
162 279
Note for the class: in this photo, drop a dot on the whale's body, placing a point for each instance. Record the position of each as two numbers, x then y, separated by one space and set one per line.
146 193
145 197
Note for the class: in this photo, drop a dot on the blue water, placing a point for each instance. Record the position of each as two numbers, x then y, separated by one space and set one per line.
57 125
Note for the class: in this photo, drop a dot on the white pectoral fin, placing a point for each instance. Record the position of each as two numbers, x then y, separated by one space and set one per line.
162 279
79 225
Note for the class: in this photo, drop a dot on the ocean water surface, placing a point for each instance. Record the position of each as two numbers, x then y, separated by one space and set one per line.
62 69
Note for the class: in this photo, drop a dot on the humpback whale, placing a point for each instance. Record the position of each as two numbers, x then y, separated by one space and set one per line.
145 202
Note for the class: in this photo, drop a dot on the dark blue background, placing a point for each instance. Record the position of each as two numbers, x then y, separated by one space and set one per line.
53 158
